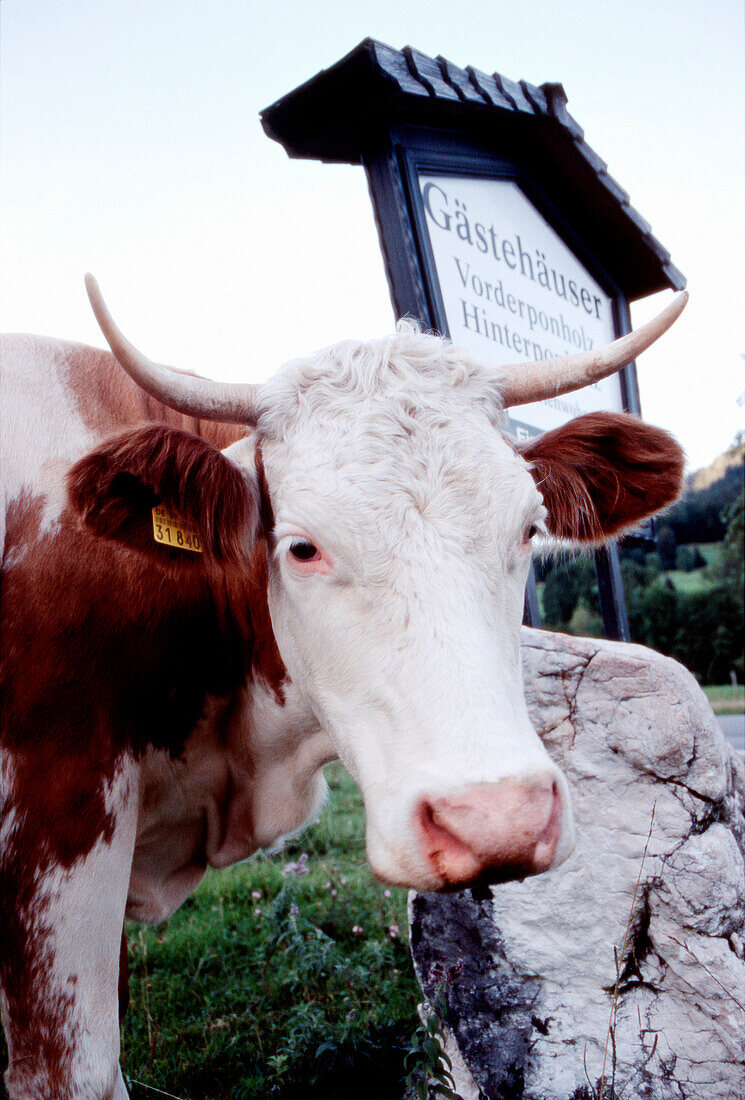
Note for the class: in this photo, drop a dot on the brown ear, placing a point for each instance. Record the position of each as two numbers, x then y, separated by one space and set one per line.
602 473
115 488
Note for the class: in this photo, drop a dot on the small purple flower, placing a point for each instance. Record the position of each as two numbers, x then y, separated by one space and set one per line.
298 868
294 910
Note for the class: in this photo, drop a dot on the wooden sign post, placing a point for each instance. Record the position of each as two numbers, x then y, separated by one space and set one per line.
499 226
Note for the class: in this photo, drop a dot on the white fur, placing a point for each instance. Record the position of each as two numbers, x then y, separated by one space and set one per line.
80 914
41 429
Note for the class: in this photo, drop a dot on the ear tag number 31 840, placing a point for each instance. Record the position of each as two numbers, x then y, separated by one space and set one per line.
171 530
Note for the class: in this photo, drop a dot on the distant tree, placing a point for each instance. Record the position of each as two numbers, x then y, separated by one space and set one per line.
560 595
698 517
653 562
637 554
733 551
586 623
709 636
667 545
571 579
689 558
637 578
655 621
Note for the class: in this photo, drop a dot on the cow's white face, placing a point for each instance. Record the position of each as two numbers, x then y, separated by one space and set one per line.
398 522
400 550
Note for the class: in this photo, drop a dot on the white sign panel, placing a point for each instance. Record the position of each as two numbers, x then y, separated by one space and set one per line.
513 291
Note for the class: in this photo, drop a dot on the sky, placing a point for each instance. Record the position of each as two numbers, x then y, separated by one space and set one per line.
131 146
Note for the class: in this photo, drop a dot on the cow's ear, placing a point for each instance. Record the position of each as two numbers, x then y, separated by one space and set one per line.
115 488
602 473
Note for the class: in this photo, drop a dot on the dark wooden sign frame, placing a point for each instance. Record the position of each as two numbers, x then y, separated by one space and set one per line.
399 113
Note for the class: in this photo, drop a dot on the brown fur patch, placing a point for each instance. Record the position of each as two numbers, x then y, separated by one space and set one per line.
105 649
108 401
602 473
23 520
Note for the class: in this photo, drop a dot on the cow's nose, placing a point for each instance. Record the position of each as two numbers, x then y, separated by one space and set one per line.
491 831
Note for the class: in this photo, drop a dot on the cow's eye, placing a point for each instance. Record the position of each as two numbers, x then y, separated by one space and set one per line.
303 550
529 533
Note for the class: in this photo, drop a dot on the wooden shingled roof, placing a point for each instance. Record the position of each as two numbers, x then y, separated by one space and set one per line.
346 113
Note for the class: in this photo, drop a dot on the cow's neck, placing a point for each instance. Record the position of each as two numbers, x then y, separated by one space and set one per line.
249 774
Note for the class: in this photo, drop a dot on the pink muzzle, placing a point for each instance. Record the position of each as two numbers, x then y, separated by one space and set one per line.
491 832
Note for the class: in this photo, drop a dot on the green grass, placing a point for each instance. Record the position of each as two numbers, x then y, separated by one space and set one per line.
267 984
703 579
726 699
711 552
690 583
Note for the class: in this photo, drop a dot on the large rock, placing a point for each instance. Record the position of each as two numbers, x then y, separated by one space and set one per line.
651 900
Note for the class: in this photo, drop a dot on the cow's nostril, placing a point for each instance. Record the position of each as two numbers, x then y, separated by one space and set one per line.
435 829
449 855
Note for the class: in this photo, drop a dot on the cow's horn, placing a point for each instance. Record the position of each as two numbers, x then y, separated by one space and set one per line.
229 402
525 382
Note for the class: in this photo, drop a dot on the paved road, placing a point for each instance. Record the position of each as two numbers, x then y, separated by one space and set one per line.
734 730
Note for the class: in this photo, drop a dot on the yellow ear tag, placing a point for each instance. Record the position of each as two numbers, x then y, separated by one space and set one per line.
171 530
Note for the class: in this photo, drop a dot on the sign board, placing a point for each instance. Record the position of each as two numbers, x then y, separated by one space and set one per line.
513 291
499 225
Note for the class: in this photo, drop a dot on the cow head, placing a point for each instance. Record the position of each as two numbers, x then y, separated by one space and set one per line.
398 521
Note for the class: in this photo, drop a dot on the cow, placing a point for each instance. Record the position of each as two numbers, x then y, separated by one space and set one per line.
211 590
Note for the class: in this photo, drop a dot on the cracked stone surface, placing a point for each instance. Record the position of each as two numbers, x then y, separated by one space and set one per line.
529 969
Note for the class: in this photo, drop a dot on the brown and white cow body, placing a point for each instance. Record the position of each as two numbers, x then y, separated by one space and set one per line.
366 541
